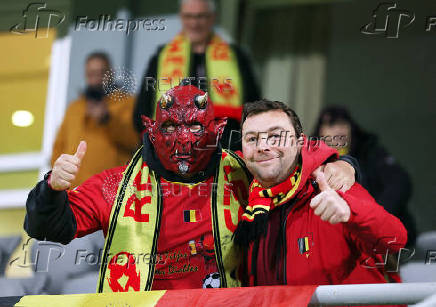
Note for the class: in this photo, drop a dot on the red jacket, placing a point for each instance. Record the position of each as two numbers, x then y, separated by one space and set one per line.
185 246
301 249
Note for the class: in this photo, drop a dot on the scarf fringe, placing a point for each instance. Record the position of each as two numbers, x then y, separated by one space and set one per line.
247 232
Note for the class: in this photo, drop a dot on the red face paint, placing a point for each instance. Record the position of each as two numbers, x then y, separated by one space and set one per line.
185 133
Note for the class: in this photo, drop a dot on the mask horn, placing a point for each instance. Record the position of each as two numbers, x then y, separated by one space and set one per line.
201 101
166 101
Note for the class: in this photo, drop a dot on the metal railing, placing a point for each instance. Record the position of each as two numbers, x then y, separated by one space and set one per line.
340 295
373 294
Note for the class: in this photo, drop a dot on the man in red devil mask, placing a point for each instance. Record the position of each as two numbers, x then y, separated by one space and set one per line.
177 201
185 130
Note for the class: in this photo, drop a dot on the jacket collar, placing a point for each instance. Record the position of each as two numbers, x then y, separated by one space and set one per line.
313 154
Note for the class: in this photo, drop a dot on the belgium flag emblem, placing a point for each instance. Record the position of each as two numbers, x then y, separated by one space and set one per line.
304 245
191 216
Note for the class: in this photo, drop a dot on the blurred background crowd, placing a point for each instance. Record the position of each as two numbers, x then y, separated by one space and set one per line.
66 76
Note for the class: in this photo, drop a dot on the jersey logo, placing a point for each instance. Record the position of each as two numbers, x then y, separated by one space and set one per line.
122 270
305 245
191 216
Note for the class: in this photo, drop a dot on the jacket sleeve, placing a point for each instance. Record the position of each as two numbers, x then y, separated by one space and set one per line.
48 215
371 228
60 216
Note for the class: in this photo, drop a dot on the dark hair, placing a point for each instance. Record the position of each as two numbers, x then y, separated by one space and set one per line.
337 115
264 105
333 115
99 55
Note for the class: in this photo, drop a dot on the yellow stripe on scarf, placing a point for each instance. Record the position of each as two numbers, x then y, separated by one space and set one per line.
295 182
222 69
224 79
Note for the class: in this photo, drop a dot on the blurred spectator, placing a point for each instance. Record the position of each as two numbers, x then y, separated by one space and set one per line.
382 176
198 52
101 120
105 122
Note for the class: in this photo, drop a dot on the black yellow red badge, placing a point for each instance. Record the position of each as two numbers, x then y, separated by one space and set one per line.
305 244
191 216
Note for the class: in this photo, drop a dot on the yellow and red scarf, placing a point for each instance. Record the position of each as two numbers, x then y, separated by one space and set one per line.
130 252
260 202
223 76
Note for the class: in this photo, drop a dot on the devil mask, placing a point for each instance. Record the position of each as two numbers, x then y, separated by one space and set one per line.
185 132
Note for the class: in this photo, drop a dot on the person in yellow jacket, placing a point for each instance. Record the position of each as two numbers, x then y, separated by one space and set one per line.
104 121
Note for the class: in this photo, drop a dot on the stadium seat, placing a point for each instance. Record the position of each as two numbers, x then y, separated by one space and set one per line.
7 246
63 262
85 283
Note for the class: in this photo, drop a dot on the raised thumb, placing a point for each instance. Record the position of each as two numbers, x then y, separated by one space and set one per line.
81 150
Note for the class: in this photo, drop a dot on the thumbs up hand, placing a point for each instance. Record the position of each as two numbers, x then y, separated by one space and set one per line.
328 205
66 168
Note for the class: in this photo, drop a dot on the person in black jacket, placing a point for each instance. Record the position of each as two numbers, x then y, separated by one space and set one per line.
198 17
382 176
